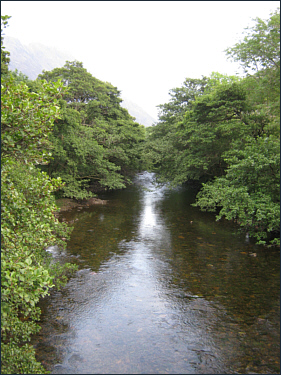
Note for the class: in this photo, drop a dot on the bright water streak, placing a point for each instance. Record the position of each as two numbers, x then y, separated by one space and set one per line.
141 308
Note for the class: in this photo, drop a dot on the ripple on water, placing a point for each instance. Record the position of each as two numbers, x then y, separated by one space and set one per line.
161 295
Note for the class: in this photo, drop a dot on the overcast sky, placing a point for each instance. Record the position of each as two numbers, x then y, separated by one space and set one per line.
144 48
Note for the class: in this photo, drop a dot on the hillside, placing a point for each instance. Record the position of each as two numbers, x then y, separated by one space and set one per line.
141 116
31 59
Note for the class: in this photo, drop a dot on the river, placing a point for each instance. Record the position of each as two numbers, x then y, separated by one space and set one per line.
162 288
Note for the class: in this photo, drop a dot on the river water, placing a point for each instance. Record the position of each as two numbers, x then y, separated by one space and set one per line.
162 288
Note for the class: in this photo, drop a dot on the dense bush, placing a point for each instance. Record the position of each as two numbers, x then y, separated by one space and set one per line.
96 143
224 133
28 224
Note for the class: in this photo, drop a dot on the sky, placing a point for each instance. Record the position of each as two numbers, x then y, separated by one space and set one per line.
144 48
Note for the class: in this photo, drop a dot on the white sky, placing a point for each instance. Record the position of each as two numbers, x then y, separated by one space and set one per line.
144 48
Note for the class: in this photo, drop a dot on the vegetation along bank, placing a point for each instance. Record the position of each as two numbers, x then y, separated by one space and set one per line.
65 135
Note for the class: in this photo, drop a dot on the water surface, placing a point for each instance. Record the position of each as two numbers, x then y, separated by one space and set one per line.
161 289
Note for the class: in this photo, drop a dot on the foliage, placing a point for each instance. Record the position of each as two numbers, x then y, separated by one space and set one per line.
189 146
224 133
260 48
181 99
28 228
249 192
28 224
206 130
27 115
96 143
163 147
259 54
20 77
5 59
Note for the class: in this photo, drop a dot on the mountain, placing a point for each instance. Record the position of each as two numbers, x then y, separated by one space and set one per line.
141 116
33 58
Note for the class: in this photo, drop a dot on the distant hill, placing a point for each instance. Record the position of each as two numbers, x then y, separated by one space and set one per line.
141 116
33 58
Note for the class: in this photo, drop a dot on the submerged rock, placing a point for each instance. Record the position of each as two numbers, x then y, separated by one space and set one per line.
68 204
92 201
54 250
60 369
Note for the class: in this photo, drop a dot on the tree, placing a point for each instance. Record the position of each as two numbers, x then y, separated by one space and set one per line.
5 59
163 148
224 132
27 115
259 55
78 158
181 99
260 48
96 142
28 225
228 141
216 119
249 191
189 144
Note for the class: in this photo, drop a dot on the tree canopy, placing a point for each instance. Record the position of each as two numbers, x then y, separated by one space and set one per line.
28 225
96 143
5 59
66 133
223 132
260 48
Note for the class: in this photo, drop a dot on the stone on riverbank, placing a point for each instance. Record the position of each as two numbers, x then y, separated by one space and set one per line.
66 204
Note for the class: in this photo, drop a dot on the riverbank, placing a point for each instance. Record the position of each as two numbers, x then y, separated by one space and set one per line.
66 204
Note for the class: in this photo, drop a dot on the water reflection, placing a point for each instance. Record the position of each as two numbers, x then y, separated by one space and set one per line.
161 288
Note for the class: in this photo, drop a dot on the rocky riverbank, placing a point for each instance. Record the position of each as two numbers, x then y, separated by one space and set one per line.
66 204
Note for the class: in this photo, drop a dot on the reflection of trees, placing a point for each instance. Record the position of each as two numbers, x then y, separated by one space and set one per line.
99 229
177 268
210 260
207 259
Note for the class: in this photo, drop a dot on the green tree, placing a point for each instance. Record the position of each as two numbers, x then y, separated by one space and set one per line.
163 148
249 191
260 48
5 59
20 77
209 128
181 99
225 135
27 115
96 142
28 225
189 144
259 55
